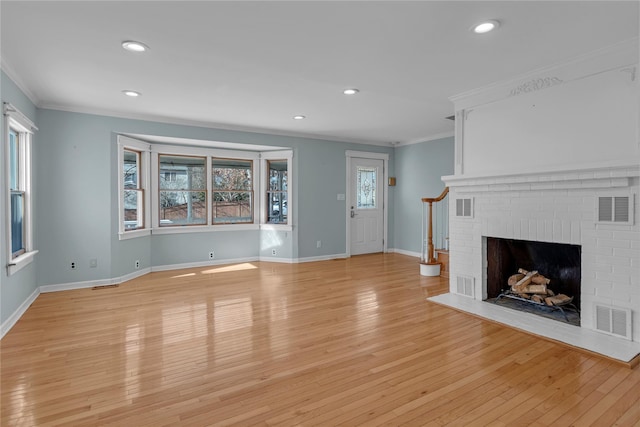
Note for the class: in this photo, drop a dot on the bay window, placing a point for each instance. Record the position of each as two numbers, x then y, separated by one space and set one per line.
175 188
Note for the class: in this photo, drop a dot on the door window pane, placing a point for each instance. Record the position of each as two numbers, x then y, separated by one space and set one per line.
366 187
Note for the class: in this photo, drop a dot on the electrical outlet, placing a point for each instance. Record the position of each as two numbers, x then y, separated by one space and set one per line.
274 252
212 255
74 265
319 244
93 263
137 264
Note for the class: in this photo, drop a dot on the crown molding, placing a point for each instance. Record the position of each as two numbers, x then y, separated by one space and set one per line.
202 124
8 70
433 137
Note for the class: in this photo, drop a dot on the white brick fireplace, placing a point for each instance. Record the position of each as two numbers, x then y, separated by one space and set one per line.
554 156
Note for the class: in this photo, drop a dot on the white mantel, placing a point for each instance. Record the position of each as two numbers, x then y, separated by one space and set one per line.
533 156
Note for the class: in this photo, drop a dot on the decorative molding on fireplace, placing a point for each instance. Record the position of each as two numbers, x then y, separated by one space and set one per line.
534 85
595 177
614 57
631 71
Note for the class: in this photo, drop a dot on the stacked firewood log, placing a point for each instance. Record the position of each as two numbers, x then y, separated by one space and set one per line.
533 286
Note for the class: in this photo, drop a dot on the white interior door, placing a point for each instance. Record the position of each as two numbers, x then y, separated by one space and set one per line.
366 206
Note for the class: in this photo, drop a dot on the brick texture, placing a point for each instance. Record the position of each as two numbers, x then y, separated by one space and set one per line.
560 208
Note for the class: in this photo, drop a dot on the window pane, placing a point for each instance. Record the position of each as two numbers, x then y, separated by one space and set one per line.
130 169
183 208
366 187
13 160
276 207
182 173
232 207
232 174
277 193
17 223
232 198
133 209
278 175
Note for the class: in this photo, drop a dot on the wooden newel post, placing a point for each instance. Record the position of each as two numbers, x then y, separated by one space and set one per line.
430 259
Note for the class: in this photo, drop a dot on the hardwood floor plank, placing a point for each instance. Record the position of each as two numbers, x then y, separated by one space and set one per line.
345 342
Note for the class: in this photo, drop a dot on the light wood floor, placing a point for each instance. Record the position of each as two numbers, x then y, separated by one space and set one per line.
344 342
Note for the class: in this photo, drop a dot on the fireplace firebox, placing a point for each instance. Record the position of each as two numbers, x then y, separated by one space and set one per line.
561 263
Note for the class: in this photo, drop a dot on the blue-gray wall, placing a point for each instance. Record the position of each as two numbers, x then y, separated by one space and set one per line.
15 289
418 170
76 200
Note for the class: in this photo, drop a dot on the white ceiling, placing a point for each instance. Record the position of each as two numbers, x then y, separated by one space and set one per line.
254 65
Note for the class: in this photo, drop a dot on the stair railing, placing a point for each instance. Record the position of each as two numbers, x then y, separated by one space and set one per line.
429 256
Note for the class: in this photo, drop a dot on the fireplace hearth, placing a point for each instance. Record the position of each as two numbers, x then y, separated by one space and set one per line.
566 314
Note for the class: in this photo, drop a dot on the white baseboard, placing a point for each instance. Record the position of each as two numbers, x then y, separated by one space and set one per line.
92 283
408 253
320 258
131 276
75 285
13 319
278 260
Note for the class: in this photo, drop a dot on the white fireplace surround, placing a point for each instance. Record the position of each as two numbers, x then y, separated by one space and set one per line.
536 157
556 207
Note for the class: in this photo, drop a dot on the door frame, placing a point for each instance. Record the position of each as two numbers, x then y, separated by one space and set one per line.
385 194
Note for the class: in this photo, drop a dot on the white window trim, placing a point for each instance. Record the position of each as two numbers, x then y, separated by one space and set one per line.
265 156
144 148
14 119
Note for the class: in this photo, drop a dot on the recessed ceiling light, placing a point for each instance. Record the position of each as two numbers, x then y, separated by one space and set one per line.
486 26
131 93
350 91
299 117
134 46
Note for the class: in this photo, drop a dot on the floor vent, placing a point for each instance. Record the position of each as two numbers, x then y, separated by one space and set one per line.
104 287
465 285
613 321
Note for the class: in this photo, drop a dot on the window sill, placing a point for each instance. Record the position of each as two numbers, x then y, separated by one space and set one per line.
205 228
276 227
125 235
20 262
